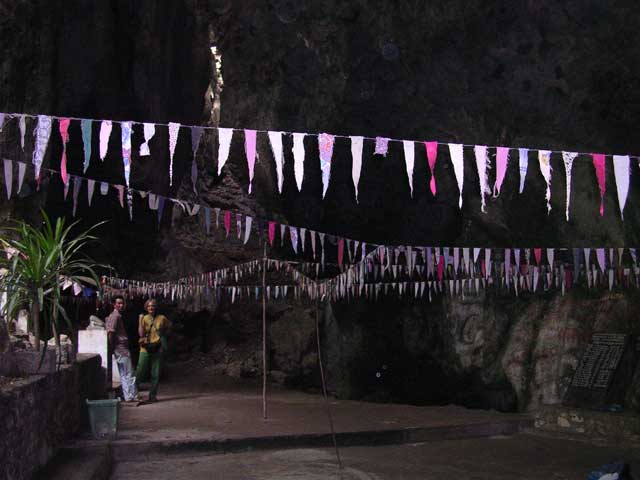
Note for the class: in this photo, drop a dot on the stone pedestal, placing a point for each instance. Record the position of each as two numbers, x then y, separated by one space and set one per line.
22 324
95 341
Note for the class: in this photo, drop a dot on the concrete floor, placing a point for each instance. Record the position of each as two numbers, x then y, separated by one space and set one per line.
199 419
523 456
220 408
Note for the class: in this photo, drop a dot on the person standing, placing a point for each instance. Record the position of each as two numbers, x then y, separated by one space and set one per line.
152 329
119 345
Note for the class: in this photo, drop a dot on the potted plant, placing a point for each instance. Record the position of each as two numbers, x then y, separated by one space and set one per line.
39 263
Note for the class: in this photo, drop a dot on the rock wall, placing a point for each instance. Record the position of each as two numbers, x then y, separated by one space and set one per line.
41 412
487 352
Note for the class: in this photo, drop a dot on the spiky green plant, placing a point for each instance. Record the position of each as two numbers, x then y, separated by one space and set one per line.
39 263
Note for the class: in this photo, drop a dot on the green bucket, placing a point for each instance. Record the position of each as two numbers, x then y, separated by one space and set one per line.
103 417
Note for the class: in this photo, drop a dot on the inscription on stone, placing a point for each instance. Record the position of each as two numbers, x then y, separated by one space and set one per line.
600 379
600 361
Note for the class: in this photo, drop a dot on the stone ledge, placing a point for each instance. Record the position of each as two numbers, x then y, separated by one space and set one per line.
42 412
593 425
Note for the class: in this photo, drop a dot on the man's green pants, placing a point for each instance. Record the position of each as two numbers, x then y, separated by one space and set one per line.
146 360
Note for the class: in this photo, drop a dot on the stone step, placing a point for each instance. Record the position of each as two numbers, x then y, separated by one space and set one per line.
83 463
128 450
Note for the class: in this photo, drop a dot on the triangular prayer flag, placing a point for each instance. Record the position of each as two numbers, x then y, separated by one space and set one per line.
599 165
600 255
272 232
544 159
22 169
174 130
537 253
622 171
42 133
275 139
224 139
321 236
8 176
63 125
382 146
207 220
325 147
482 164
456 153
85 126
502 159
432 155
568 158
149 130
356 161
227 222
293 233
91 185
196 135
247 229
298 158
105 132
523 165
409 157
22 126
126 160
76 190
250 152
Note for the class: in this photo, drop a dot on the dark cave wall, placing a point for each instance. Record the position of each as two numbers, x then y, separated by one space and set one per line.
488 351
108 60
524 73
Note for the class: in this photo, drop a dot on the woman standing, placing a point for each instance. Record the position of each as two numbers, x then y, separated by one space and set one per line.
152 329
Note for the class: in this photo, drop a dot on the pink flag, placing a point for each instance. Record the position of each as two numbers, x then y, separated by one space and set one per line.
272 232
537 252
64 133
432 154
227 221
340 252
502 159
250 151
440 268
599 165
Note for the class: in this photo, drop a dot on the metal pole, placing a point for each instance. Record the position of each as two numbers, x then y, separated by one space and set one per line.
264 332
324 385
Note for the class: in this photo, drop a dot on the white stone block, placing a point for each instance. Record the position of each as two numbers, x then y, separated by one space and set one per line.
95 341
22 324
